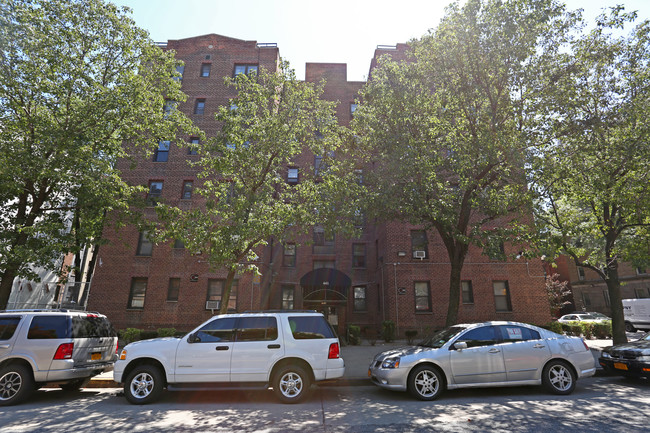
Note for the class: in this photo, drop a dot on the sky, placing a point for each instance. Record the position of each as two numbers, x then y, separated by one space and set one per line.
306 31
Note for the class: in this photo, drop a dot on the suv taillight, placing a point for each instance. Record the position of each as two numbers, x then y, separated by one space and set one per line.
64 351
334 351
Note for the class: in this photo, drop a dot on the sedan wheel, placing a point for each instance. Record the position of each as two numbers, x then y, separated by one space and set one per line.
16 384
291 384
425 383
558 378
143 385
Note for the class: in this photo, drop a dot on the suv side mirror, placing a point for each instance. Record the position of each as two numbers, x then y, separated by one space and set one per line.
193 338
460 345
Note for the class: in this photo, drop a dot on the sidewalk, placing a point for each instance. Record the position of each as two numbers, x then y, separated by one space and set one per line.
358 358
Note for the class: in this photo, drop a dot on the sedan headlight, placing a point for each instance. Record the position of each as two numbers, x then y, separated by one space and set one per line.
643 358
606 355
390 363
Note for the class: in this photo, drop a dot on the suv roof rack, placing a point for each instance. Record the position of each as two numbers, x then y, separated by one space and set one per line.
280 311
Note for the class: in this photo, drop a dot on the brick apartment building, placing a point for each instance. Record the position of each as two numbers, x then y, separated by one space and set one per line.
393 271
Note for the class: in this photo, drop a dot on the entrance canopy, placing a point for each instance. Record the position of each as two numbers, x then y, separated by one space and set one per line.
325 283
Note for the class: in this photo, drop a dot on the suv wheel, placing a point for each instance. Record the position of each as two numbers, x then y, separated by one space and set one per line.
143 385
16 384
291 384
425 383
558 378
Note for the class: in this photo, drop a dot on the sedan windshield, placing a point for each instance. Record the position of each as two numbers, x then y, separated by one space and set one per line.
439 339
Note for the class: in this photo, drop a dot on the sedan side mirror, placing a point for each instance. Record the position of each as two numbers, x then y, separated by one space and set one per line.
460 345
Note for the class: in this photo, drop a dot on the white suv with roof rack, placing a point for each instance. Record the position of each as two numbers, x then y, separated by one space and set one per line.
52 346
285 350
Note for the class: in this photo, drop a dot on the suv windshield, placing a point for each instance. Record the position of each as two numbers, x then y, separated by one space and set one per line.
439 339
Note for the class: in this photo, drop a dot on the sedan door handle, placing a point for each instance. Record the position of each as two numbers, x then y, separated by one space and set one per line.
494 351
6 346
273 346
539 346
222 347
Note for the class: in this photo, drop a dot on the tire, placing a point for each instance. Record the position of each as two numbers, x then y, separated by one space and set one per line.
629 327
291 384
16 384
426 383
144 385
75 385
558 378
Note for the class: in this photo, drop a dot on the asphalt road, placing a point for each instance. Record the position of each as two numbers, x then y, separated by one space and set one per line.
599 404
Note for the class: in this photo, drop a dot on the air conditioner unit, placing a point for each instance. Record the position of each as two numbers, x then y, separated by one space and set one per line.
212 305
419 254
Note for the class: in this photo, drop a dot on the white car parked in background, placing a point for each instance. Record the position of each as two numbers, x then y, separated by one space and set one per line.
581 317
284 350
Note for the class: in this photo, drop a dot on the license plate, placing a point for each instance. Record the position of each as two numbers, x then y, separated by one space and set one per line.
620 366
95 356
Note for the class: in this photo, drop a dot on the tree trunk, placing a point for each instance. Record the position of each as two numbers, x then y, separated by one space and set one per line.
618 320
457 259
227 287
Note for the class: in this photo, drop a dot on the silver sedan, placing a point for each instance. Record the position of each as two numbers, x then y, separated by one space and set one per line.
482 355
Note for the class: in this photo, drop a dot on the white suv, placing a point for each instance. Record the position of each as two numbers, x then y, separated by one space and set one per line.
286 350
52 346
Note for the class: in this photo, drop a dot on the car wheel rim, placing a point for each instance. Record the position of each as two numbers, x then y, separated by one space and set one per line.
142 385
426 383
560 377
10 384
291 385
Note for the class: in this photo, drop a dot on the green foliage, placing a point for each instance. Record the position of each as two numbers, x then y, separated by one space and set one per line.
354 335
130 335
388 330
555 327
77 79
273 119
572 328
603 330
410 335
166 332
557 293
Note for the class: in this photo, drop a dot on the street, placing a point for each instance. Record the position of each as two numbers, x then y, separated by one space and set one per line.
599 404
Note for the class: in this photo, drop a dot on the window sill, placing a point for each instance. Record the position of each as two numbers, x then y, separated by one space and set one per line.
134 309
424 312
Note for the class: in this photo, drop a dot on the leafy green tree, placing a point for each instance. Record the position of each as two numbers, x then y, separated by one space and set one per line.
445 129
274 119
592 174
77 79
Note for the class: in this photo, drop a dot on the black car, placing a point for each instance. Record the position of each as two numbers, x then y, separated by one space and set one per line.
629 359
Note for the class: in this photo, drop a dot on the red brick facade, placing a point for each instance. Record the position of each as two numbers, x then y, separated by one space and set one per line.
379 263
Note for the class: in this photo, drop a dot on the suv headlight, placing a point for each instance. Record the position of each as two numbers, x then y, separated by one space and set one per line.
390 363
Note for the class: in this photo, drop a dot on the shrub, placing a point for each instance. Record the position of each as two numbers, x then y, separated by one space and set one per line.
148 334
354 335
410 335
166 332
388 330
130 335
555 327
572 328
603 330
587 329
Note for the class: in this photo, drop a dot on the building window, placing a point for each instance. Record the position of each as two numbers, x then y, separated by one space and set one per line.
502 296
467 292
360 298
641 271
136 295
169 107
155 192
199 106
586 299
581 273
358 255
194 142
162 152
292 175
323 241
188 186
353 108
641 292
419 244
173 289
145 246
496 251
178 244
205 69
180 70
422 296
245 69
215 291
328 264
288 292
289 255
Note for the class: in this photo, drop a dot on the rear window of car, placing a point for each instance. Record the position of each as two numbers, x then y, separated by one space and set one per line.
310 327
91 327
49 327
8 327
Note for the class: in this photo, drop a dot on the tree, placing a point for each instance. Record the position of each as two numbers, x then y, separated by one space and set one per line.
592 174
77 79
273 119
557 292
445 129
